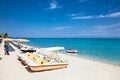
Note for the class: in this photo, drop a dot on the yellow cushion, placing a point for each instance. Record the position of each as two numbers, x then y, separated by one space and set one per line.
30 56
34 57
27 54
40 61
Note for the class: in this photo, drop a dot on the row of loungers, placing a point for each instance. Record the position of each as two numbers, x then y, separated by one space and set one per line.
38 61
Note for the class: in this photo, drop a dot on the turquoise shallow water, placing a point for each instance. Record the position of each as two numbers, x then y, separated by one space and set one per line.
104 49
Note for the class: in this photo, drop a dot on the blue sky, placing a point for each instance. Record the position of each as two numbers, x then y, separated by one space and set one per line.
60 18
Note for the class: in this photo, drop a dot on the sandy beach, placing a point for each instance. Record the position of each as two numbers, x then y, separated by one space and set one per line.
59 39
78 69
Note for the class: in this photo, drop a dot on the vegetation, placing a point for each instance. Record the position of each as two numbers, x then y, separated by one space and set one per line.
0 35
4 35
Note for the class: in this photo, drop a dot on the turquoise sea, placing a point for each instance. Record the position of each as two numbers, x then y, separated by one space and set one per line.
102 49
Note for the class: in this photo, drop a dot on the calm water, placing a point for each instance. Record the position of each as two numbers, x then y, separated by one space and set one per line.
107 50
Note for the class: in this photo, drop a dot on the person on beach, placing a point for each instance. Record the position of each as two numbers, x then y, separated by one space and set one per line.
7 49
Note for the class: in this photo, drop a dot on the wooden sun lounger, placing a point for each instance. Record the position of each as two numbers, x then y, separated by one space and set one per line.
47 67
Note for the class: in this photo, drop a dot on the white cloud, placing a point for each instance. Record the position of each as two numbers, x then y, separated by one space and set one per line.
72 15
75 16
54 5
83 17
109 30
107 26
117 14
60 28
106 30
99 31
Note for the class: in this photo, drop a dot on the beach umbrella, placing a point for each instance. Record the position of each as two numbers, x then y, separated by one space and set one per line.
21 40
8 39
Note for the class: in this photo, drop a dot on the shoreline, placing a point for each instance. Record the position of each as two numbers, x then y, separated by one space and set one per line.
84 57
78 69
106 51
94 59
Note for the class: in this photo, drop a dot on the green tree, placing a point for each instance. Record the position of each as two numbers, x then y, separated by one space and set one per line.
5 35
0 35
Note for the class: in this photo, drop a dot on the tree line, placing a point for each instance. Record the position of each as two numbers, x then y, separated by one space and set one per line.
5 35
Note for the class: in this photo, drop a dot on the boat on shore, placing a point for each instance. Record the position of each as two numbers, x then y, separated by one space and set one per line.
47 67
44 60
72 51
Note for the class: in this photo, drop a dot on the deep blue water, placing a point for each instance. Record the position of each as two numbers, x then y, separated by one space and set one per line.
104 49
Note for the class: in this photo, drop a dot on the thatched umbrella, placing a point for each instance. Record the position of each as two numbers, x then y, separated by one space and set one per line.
8 39
21 40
